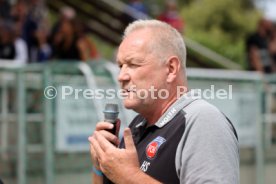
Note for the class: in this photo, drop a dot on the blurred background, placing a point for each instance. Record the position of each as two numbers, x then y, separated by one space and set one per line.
43 137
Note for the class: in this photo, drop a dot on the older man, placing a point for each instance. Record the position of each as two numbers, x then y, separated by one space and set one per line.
176 138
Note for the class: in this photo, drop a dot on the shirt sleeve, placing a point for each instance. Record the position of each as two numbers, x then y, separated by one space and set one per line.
208 151
21 51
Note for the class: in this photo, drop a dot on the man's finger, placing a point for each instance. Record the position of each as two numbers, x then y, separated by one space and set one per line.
103 142
96 147
128 139
110 137
94 156
104 126
93 152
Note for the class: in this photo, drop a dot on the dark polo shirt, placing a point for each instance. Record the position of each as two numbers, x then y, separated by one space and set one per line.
177 148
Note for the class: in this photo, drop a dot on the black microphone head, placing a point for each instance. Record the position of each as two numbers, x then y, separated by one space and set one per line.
111 112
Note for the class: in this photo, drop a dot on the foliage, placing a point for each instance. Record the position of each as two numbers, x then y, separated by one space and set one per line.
221 25
105 50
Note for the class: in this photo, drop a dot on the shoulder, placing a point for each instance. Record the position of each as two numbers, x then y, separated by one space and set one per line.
201 108
208 146
203 118
20 43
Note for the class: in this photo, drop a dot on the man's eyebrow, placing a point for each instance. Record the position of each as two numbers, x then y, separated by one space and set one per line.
128 60
133 59
125 60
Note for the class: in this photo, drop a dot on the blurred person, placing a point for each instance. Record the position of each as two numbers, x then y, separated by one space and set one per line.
257 46
7 38
4 10
66 13
134 10
37 10
22 17
171 16
70 43
177 139
43 51
20 47
12 47
87 47
272 48
138 5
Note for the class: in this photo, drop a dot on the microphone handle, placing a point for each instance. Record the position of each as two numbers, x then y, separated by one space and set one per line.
114 122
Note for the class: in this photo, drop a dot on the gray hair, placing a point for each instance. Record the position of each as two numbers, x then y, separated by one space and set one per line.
166 39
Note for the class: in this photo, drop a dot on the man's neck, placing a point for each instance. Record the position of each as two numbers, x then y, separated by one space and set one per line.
153 116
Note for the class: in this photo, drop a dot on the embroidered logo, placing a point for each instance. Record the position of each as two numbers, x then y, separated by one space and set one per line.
153 146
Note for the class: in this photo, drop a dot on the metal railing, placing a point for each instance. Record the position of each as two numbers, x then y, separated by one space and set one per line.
245 109
38 77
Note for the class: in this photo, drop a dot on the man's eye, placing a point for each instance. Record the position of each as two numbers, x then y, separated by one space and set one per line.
132 65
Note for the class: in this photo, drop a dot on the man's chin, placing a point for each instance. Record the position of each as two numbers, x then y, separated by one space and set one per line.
130 104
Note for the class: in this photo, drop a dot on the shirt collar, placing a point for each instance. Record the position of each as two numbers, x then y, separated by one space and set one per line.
178 105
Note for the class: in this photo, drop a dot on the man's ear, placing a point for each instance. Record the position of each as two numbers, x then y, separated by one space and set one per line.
173 66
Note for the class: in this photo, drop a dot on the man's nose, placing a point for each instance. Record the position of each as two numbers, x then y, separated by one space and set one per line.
123 75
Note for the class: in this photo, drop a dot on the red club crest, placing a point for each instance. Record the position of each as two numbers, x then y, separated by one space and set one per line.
153 147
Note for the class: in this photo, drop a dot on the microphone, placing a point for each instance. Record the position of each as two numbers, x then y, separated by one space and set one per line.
111 112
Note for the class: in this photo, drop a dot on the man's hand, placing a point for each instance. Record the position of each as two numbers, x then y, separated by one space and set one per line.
119 165
101 128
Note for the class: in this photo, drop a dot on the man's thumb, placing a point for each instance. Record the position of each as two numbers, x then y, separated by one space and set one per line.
128 139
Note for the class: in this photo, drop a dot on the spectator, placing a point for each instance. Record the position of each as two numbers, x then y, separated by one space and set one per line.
172 17
12 47
134 10
7 37
43 50
37 10
66 13
4 10
272 48
67 45
20 47
87 47
21 16
138 5
257 46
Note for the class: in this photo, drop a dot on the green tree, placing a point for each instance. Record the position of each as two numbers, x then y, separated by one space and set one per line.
221 25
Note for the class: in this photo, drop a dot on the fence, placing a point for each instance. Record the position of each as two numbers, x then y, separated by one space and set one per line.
42 138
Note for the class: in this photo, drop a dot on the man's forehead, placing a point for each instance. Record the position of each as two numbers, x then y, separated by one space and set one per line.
138 37
132 44
129 55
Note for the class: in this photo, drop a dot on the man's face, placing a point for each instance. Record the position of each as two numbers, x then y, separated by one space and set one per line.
139 70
